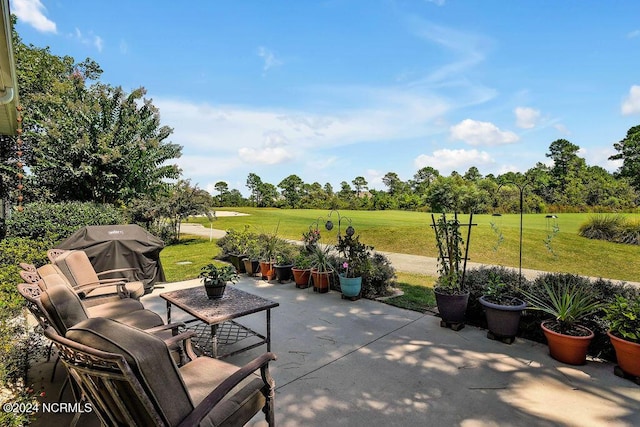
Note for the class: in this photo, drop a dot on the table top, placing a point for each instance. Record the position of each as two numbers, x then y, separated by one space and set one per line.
233 304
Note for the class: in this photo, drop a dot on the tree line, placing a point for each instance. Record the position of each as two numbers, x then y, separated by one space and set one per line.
568 185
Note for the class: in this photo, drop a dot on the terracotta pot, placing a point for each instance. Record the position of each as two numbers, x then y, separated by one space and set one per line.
452 307
628 355
502 320
266 270
320 281
301 277
567 348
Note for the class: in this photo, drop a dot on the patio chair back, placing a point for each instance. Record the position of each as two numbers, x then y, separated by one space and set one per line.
131 380
78 270
31 293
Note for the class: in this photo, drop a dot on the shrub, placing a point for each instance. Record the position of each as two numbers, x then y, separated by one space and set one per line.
19 345
599 289
378 280
57 221
613 228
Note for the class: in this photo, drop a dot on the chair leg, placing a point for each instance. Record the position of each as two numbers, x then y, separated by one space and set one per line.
64 386
49 351
53 372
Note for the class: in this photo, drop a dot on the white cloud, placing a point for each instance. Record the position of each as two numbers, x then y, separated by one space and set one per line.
446 161
633 34
33 13
89 40
474 132
468 48
631 105
562 129
269 58
388 115
526 118
266 155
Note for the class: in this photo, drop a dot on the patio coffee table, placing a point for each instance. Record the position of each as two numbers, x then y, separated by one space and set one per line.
213 318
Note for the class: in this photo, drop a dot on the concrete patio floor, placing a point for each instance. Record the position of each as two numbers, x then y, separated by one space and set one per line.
365 363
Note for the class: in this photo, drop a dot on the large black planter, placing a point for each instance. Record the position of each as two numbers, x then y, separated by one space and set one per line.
502 320
452 309
236 261
283 272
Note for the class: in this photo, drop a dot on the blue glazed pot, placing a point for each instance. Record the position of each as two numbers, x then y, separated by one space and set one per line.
350 286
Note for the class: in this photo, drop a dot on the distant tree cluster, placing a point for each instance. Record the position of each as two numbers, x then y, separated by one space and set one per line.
569 185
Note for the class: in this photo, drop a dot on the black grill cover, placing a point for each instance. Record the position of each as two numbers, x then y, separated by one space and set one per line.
121 246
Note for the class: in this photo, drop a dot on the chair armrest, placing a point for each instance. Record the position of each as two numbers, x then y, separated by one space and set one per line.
85 289
186 349
218 393
173 326
120 270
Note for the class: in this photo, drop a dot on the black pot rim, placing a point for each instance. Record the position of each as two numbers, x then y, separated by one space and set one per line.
489 304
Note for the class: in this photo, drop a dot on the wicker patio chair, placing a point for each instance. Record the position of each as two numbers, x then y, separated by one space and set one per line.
130 379
77 268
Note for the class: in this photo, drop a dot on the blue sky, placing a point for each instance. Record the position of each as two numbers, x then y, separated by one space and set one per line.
330 90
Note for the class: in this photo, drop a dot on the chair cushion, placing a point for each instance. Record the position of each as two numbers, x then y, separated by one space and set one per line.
204 374
77 268
75 265
63 307
114 309
148 357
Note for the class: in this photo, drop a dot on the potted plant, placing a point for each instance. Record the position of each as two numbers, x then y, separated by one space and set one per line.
567 304
215 279
321 268
235 245
623 317
302 269
355 263
268 250
502 310
451 296
252 260
284 264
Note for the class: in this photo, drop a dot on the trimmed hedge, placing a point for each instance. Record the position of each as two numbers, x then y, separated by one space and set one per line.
57 221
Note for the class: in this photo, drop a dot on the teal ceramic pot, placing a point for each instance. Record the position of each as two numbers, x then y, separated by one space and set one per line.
350 286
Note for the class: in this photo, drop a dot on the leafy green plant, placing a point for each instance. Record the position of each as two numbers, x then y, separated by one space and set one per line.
451 260
302 261
321 259
499 236
214 275
623 317
567 303
499 292
356 255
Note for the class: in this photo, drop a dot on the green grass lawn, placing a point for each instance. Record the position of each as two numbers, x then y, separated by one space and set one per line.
410 232
184 260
